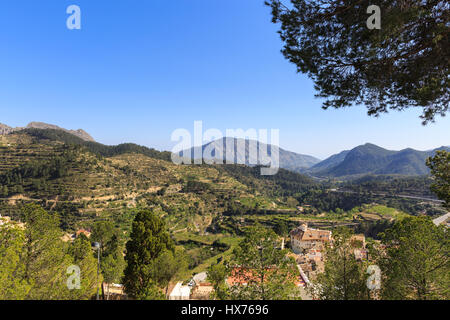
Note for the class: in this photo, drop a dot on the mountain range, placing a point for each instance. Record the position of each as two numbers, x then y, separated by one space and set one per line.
361 160
240 149
372 159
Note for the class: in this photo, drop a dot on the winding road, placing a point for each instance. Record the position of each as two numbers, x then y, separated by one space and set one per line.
390 195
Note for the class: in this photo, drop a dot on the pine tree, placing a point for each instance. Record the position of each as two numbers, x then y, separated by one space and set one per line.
102 232
416 261
263 270
12 283
167 266
112 267
45 259
402 64
83 257
112 262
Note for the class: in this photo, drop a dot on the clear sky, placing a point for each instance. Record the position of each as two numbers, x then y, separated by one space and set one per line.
139 69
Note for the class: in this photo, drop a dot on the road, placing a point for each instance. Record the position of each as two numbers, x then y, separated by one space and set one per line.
391 195
441 219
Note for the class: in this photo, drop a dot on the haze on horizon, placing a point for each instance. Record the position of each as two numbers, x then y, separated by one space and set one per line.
137 71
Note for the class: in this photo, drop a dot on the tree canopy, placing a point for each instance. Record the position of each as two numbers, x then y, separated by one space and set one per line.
35 261
148 243
83 257
217 274
45 255
403 64
415 263
262 270
440 170
12 282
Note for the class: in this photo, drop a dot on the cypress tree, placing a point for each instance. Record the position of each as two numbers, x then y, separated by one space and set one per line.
149 239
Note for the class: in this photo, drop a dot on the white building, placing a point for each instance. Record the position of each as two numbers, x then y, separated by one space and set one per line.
200 277
180 292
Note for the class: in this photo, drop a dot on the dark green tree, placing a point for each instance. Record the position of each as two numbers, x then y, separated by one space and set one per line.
148 240
404 64
217 275
440 170
281 228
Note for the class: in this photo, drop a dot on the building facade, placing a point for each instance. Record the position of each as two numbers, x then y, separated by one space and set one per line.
304 238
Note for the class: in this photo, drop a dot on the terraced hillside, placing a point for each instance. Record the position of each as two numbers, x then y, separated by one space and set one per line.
82 185
206 207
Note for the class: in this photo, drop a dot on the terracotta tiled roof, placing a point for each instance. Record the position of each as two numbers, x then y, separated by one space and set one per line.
85 232
311 234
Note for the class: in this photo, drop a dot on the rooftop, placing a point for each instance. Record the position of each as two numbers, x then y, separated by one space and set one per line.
304 233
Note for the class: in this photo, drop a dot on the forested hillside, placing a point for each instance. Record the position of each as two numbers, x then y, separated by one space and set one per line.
372 159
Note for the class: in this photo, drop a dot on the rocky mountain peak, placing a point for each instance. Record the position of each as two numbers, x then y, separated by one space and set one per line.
4 129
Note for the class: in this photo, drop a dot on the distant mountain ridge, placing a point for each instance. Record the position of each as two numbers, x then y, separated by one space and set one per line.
367 159
287 160
372 159
80 133
329 162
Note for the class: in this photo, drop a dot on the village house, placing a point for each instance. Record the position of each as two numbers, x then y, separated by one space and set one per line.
308 246
71 237
358 242
200 278
83 231
114 291
180 292
202 288
304 238
202 291
311 263
241 277
5 220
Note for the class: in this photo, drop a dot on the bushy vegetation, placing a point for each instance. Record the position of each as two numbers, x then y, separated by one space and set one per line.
387 184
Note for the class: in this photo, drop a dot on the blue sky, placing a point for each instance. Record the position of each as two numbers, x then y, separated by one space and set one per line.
139 69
